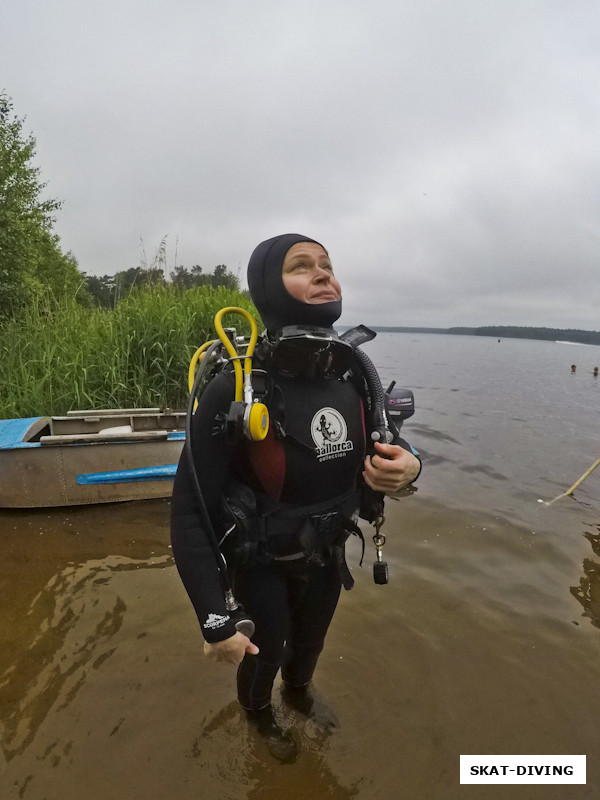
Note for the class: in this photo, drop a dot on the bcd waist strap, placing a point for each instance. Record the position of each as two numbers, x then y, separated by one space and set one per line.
321 538
259 531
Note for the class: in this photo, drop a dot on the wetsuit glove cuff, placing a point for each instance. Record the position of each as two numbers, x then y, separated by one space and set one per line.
218 627
406 446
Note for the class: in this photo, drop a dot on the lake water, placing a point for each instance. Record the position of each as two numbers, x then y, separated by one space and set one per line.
485 641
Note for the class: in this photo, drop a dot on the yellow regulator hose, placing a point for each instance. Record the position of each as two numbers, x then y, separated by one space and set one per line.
255 414
240 384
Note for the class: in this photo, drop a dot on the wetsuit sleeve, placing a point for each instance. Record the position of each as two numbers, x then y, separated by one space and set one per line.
406 446
194 556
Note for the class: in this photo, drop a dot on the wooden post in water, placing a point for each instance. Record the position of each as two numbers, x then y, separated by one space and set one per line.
583 477
570 491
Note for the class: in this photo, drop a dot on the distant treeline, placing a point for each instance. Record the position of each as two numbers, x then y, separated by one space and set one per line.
107 290
549 334
507 332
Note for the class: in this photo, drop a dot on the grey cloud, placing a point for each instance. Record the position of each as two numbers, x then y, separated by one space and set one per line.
446 153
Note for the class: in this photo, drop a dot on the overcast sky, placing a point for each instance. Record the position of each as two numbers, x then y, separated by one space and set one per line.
446 152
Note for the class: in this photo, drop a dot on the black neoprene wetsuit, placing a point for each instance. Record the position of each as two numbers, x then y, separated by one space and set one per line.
318 462
319 459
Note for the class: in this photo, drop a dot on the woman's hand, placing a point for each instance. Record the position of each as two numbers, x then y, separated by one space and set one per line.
230 651
391 471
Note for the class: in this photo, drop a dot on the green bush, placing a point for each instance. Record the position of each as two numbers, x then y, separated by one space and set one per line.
57 359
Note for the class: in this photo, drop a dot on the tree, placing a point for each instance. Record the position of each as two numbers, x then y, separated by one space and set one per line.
101 290
222 277
31 261
183 278
136 278
189 279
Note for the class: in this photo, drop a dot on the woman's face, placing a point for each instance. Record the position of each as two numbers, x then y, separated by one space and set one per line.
308 275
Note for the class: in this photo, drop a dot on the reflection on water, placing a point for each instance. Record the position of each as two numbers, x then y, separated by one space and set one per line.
588 591
231 753
74 627
594 540
62 614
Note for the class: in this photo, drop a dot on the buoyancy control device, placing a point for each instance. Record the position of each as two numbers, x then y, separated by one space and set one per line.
297 350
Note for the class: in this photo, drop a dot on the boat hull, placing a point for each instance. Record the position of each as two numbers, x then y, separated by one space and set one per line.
43 477
96 456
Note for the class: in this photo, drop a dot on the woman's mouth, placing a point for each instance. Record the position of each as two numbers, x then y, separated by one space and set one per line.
324 297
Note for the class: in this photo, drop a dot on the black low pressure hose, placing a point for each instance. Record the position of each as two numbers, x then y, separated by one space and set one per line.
380 431
243 623
372 504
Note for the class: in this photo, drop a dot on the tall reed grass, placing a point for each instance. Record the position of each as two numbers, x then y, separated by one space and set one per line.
137 354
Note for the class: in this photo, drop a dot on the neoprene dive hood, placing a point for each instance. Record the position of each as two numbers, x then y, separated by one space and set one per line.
275 304
300 331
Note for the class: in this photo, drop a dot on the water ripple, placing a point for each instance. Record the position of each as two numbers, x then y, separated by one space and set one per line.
76 624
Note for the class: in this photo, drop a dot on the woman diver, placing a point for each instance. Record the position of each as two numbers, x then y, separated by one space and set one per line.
304 482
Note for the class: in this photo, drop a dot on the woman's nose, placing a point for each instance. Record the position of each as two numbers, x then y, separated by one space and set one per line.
322 273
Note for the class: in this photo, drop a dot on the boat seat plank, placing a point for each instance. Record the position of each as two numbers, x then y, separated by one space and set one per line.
92 438
61 426
138 422
108 412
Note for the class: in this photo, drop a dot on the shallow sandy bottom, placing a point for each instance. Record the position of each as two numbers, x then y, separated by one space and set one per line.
486 640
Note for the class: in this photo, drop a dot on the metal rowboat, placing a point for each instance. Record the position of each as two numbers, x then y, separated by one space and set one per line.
97 456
